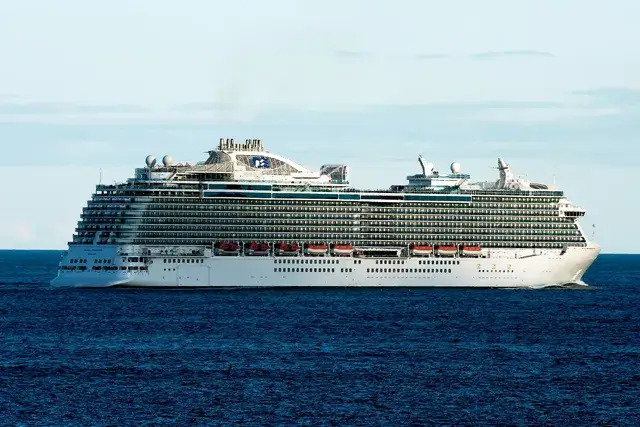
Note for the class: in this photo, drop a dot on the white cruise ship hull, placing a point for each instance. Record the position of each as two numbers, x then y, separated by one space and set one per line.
509 268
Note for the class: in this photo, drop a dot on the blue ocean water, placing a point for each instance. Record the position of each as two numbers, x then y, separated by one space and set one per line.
319 357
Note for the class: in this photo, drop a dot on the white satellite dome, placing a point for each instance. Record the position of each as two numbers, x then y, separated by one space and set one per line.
150 161
455 168
167 160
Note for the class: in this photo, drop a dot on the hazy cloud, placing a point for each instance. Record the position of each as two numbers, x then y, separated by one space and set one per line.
16 234
8 96
493 104
611 96
431 56
65 108
461 127
511 54
201 106
345 53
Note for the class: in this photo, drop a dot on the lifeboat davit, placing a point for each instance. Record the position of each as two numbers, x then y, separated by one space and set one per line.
315 249
227 248
447 250
287 249
342 250
257 249
471 251
421 250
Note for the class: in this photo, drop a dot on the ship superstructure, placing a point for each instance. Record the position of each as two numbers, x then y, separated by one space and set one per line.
248 217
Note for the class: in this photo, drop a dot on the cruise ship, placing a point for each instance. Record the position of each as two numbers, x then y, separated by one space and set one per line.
246 217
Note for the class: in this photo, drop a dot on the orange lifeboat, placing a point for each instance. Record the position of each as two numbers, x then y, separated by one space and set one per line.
342 250
227 248
284 249
257 249
446 250
421 250
471 251
320 249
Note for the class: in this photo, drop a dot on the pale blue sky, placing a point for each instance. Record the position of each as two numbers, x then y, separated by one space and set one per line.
551 86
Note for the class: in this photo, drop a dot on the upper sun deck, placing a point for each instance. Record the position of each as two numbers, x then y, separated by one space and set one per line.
244 162
430 178
249 162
